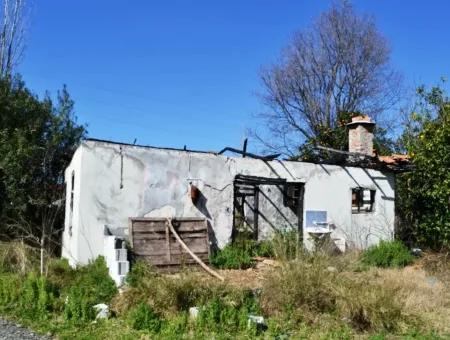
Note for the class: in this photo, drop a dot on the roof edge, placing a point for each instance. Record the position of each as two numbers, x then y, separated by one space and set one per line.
147 146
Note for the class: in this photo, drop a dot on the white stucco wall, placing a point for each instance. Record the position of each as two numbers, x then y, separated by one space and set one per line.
71 241
116 182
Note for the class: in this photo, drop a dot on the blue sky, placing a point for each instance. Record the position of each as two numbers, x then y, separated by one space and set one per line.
175 73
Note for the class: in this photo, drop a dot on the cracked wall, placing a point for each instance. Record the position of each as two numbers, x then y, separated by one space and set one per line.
121 181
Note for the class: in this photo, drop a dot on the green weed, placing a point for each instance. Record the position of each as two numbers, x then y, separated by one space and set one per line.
387 254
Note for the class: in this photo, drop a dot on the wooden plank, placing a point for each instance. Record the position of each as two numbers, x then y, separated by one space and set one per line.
169 258
151 242
162 236
176 260
156 227
172 254
196 245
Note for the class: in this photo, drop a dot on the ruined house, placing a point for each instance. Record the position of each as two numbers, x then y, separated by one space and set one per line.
110 186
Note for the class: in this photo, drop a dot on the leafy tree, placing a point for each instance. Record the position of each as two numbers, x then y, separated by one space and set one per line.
37 140
423 195
336 67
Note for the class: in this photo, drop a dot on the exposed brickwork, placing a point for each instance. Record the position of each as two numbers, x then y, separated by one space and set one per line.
360 135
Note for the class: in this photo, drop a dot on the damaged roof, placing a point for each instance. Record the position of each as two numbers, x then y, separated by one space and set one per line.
395 162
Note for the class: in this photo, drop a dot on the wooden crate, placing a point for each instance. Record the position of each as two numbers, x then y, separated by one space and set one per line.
152 240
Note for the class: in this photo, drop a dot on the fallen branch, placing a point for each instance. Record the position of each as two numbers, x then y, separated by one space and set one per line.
195 257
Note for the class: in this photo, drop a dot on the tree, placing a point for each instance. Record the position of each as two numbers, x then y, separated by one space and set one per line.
423 195
37 140
12 34
337 67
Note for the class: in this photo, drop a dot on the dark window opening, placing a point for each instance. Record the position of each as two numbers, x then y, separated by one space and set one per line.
72 191
292 195
363 200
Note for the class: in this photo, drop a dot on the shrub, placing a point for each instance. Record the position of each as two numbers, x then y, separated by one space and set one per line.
263 248
10 286
217 315
37 296
60 273
92 285
387 254
175 327
233 256
141 271
228 313
143 317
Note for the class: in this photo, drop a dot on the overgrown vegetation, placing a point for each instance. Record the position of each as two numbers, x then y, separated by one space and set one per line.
241 253
424 193
387 254
37 141
308 296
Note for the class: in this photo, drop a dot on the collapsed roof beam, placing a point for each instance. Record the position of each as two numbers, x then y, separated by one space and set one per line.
248 154
256 180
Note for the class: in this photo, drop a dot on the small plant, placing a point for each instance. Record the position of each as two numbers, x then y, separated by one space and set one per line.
222 315
37 296
233 256
61 273
10 286
92 285
286 245
143 317
263 249
387 254
140 272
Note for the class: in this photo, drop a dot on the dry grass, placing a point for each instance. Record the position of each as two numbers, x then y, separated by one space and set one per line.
422 294
172 293
17 257
318 291
309 289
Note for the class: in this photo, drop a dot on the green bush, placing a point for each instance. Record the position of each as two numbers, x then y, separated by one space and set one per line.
92 285
387 254
140 273
233 256
143 317
217 315
228 313
60 273
10 286
37 296
263 248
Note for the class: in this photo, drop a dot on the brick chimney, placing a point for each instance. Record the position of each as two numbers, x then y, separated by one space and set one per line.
360 135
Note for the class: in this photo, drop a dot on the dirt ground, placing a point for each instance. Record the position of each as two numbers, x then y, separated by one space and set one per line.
252 277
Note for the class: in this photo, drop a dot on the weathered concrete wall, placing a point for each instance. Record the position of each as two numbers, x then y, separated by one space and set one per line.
71 241
121 181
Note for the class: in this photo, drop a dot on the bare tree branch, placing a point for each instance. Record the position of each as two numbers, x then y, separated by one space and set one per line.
12 28
339 64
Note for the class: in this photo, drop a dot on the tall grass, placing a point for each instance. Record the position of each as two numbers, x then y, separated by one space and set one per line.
305 296
306 289
17 257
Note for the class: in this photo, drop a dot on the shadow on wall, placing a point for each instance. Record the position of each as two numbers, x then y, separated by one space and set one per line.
200 201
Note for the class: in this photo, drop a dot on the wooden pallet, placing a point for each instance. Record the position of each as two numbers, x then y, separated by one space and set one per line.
152 241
